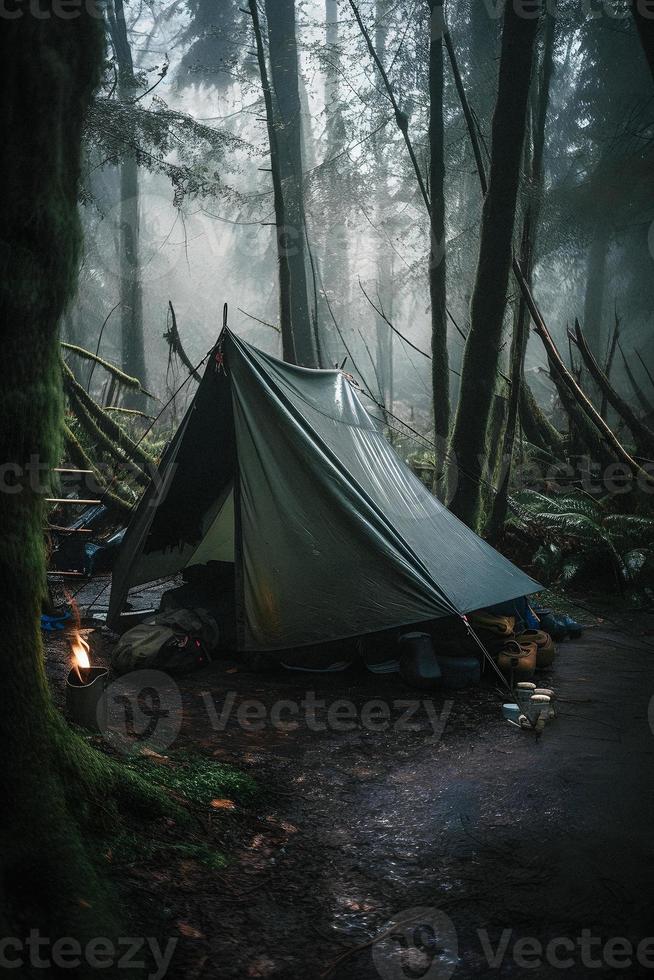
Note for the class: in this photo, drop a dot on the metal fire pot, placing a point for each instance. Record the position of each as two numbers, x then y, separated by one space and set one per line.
86 699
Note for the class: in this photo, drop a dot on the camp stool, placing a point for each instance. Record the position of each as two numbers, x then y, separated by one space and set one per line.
517 659
546 650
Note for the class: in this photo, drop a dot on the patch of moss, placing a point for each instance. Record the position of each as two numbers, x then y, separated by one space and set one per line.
197 779
202 853
133 847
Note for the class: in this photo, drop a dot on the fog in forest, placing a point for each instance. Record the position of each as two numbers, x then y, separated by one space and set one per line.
183 134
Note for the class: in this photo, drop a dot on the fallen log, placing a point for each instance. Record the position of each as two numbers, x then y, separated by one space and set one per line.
558 366
643 435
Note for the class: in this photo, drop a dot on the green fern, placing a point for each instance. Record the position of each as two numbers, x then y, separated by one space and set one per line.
579 536
573 568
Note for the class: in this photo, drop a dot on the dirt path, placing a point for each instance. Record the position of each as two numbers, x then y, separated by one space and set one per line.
363 823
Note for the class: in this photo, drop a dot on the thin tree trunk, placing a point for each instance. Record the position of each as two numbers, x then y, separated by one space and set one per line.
437 260
645 368
401 118
334 239
283 54
131 289
609 363
384 258
481 357
595 290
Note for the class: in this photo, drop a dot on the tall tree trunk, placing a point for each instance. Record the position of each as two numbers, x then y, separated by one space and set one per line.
283 54
335 255
131 289
595 290
481 357
534 193
437 263
48 68
613 346
484 46
284 268
384 257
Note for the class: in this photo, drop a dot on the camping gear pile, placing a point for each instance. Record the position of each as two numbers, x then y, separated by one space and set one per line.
176 641
73 551
519 653
451 652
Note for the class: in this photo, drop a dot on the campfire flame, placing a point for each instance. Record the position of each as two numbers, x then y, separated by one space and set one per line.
80 651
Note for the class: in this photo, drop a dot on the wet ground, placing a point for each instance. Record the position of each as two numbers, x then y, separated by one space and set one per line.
458 846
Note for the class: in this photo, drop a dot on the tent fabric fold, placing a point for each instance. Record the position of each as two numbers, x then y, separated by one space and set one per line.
334 535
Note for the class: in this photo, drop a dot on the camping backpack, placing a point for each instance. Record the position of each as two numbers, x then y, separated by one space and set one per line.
177 641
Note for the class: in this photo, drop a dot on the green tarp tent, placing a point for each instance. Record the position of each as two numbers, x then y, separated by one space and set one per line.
282 471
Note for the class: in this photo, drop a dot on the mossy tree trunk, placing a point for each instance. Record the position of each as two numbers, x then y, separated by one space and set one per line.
532 208
484 48
536 427
283 56
481 357
48 68
437 267
49 777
